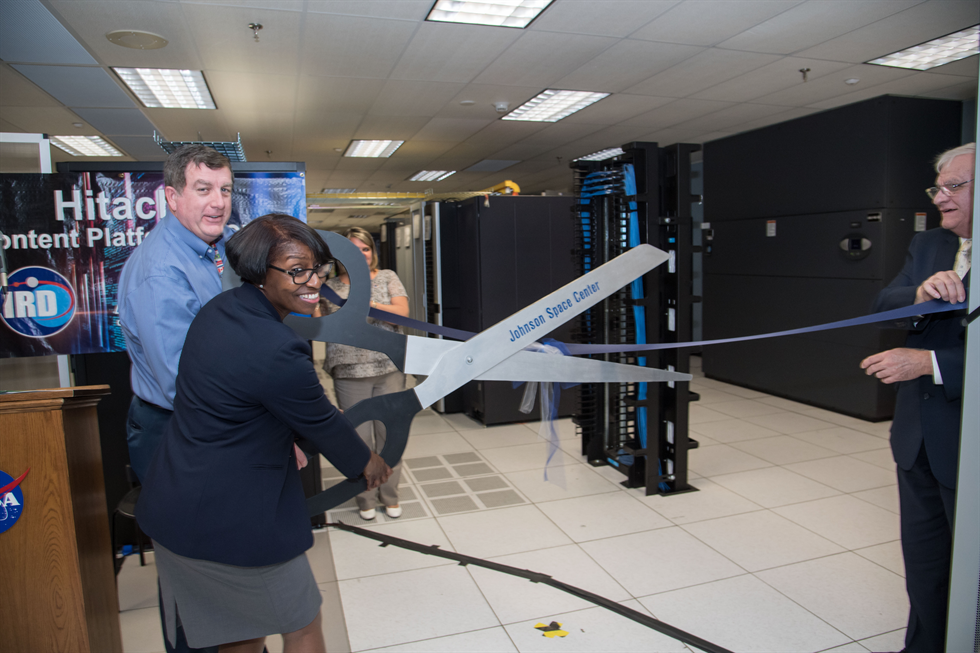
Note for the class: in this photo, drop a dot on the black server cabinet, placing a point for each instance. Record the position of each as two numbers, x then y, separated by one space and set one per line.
497 256
807 221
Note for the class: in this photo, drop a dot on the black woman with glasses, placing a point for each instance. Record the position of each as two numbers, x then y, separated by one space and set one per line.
222 499
361 373
925 433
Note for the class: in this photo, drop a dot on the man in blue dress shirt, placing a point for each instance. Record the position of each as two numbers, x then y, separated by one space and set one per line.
173 273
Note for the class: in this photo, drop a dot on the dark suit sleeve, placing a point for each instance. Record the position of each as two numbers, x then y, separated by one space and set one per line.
951 367
293 394
901 291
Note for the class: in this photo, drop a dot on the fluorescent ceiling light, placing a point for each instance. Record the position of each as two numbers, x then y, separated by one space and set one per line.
168 89
84 146
337 191
552 106
372 148
601 155
945 49
431 175
497 13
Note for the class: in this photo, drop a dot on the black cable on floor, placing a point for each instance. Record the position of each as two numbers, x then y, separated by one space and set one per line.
536 577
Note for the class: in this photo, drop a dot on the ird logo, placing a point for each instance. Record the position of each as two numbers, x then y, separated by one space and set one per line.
38 303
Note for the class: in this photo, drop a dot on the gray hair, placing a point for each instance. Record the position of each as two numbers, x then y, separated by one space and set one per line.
946 157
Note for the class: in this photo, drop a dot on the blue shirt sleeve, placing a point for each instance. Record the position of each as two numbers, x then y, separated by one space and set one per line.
160 311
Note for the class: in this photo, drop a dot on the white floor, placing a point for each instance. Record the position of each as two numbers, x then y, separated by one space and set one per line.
790 544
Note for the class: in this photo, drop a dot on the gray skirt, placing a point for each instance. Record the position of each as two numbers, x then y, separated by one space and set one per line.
218 603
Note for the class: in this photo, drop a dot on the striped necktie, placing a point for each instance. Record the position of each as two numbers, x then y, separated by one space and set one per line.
218 261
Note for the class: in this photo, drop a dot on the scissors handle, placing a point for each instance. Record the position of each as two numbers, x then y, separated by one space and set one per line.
396 412
350 328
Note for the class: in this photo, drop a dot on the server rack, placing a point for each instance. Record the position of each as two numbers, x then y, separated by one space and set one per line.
641 429
809 220
498 255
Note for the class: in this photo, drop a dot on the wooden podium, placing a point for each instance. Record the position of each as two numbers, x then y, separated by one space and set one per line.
57 578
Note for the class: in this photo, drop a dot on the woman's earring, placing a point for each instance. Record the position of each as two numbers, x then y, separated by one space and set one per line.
261 285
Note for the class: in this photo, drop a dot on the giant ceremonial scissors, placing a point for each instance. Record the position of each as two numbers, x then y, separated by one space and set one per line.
496 353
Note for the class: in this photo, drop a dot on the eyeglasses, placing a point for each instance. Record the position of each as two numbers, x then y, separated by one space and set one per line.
946 189
303 275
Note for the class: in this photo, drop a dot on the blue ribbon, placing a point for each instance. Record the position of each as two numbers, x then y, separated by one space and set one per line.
926 308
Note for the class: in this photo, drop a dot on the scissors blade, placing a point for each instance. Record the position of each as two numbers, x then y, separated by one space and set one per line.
489 348
536 366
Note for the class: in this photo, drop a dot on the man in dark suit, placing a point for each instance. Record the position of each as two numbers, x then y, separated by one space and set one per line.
925 433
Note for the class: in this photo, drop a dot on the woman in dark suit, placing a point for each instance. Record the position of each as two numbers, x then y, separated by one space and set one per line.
222 499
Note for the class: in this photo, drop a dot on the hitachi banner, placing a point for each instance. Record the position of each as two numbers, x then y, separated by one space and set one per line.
67 236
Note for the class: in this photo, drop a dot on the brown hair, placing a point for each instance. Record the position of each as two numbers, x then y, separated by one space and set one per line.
179 159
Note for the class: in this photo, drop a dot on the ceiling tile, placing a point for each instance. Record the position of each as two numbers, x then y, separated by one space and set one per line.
226 44
240 91
616 108
444 52
18 91
414 10
9 126
674 113
685 23
542 58
30 33
915 25
416 150
700 72
329 129
830 86
606 18
44 120
403 98
521 152
777 76
344 46
450 129
483 97
914 84
117 122
600 140
546 140
77 86
277 5
624 64
390 127
733 116
207 125
91 20
964 67
787 114
963 91
504 132
710 136
141 148
811 23
336 94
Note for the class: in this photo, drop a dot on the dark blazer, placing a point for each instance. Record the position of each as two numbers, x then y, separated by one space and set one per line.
924 411
223 485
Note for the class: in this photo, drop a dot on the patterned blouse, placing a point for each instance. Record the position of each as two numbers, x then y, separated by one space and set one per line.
346 362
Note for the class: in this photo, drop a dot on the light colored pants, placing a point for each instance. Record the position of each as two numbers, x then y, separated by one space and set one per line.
351 391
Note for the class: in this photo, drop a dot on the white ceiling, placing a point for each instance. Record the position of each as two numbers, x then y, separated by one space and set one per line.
328 71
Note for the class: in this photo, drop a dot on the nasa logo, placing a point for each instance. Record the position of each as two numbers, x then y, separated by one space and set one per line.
38 303
11 500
